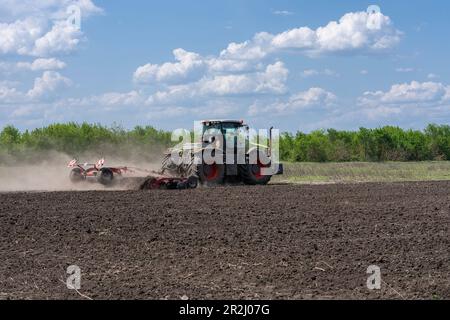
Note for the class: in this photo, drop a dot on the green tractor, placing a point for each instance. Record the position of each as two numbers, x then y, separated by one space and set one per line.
225 154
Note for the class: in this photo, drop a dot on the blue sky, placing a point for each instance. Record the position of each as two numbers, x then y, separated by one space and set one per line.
297 65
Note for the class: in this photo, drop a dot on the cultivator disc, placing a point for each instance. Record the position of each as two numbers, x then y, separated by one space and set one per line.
170 183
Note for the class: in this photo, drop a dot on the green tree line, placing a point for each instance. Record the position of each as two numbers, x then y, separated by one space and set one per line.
369 145
78 140
380 144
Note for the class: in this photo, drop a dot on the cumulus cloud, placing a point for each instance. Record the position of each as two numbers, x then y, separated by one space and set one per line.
54 9
44 87
19 36
62 38
313 72
269 81
188 64
413 92
42 64
109 100
40 28
47 84
407 98
404 70
245 69
311 99
283 13
9 94
353 33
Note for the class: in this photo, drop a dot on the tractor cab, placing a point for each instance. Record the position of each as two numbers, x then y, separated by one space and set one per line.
229 129
226 127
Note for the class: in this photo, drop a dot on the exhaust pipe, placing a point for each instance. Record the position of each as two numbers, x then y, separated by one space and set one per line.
269 151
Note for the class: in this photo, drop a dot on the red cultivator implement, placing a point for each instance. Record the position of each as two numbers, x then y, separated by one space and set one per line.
96 172
108 175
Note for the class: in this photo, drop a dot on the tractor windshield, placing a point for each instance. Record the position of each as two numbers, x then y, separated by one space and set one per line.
234 130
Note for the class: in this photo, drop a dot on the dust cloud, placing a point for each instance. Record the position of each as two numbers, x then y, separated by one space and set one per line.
50 173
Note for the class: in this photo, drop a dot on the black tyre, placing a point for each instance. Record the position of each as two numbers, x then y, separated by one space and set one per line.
76 175
211 174
105 176
251 174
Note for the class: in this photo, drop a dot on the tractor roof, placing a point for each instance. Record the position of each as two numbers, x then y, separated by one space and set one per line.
223 121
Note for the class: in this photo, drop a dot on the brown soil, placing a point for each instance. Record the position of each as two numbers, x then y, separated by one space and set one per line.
273 242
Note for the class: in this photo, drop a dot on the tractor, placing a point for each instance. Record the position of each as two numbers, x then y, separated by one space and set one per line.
240 159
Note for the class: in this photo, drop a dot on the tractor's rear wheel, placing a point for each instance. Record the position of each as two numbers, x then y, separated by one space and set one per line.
251 174
105 176
76 175
211 174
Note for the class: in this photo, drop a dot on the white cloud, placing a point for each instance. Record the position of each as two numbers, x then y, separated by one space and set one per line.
420 98
19 36
413 92
364 72
223 66
244 70
47 84
283 13
312 72
8 94
272 80
404 70
62 38
217 108
121 99
40 28
42 64
110 100
54 9
188 64
432 76
311 99
269 81
189 67
353 33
